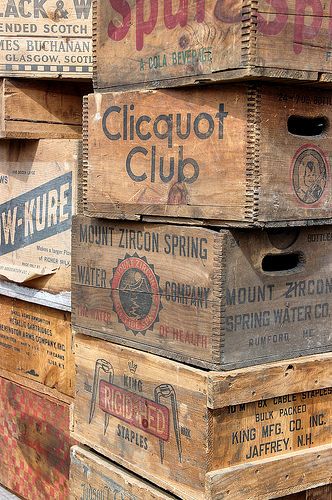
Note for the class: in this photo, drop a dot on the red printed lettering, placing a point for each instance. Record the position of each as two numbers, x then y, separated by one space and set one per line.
145 27
117 33
276 25
172 20
301 30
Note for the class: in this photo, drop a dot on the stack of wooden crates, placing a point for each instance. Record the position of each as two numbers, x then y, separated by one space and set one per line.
45 69
201 274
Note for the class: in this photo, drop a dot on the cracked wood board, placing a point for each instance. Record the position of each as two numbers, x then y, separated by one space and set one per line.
165 45
48 39
240 155
36 343
155 416
173 290
32 109
38 197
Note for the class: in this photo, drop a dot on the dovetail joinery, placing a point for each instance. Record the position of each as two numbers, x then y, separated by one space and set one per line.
252 154
95 41
83 182
249 32
218 306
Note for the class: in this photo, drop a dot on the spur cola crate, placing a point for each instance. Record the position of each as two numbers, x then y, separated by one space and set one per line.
220 299
175 43
241 155
37 199
185 428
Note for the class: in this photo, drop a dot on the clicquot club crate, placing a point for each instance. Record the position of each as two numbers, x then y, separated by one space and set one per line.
92 476
31 109
46 39
37 199
218 299
36 342
238 154
35 443
184 428
173 43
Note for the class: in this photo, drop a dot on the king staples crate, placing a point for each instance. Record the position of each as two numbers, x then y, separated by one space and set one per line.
37 198
46 39
238 154
35 443
92 476
175 43
31 109
186 429
217 299
36 343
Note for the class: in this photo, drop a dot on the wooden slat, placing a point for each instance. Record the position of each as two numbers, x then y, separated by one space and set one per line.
91 474
32 109
274 477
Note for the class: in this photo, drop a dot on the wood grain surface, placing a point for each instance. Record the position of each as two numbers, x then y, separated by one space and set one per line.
32 109
213 40
235 155
36 343
151 415
218 299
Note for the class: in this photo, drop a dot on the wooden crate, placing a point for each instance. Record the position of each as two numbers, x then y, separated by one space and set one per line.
37 199
36 343
241 154
92 476
46 39
182 427
35 443
217 299
322 493
171 43
32 109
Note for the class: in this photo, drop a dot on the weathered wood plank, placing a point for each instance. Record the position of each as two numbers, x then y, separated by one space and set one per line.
92 476
250 154
276 477
32 109
172 290
36 343
170 45
35 443
151 415
46 39
37 199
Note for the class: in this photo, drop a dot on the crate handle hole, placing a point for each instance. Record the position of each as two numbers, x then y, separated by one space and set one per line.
285 262
305 126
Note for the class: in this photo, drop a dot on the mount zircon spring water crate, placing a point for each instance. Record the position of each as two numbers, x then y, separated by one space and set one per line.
168 43
236 154
220 299
185 428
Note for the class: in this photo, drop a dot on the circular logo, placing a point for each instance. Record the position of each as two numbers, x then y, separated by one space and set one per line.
136 294
309 174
